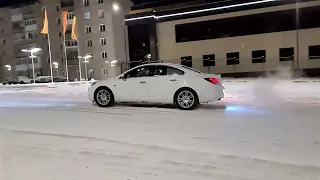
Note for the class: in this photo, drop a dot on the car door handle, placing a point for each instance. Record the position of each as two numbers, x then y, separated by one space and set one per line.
173 80
143 82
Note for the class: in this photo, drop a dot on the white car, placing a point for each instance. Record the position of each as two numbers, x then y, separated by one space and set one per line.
160 83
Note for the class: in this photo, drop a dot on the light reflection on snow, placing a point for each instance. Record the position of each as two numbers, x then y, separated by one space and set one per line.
244 109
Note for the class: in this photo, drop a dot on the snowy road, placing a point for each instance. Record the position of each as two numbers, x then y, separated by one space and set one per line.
261 130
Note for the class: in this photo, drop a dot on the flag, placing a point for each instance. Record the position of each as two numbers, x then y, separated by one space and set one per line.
45 29
74 34
64 22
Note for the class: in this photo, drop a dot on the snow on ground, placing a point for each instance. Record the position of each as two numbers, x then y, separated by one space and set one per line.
263 129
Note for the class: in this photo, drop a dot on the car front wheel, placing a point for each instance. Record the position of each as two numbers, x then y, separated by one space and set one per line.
186 99
103 97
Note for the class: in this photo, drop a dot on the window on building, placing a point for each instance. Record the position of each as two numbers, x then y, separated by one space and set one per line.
233 58
103 41
58 20
286 54
269 22
209 60
100 13
43 9
58 7
186 61
35 60
104 71
86 2
259 56
60 34
89 43
70 15
102 27
87 16
30 22
104 55
100 1
1 30
32 34
3 41
61 46
88 29
314 52
1 17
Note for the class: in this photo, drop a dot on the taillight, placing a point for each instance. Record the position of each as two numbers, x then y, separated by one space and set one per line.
213 80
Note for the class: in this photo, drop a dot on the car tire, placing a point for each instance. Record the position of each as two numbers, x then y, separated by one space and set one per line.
103 97
191 100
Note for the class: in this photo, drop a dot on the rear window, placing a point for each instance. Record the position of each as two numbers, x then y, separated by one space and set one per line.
192 69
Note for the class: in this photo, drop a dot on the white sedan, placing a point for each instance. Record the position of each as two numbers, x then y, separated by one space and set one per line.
159 83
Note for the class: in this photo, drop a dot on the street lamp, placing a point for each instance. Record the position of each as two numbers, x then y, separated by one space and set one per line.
85 64
112 63
115 7
32 51
8 67
56 66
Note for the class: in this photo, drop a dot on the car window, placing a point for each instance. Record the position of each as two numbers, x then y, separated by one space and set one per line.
191 69
166 70
140 72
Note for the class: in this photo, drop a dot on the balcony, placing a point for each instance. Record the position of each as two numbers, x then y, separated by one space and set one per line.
71 44
25 41
17 27
29 16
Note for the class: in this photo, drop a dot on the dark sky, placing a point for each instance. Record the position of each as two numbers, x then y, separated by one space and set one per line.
12 2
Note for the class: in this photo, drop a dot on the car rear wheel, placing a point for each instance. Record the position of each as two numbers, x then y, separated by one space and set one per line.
186 99
103 97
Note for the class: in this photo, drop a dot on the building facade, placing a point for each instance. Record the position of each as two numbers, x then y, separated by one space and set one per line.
231 38
100 30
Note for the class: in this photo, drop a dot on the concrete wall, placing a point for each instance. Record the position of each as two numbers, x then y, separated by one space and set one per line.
171 51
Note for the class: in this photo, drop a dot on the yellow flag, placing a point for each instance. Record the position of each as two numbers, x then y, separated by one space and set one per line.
64 21
45 29
74 34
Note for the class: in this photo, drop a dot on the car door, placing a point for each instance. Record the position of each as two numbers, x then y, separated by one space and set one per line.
164 83
134 85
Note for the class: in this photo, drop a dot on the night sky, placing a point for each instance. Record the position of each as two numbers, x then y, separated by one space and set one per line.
13 2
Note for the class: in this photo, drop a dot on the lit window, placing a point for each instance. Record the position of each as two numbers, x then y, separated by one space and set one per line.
87 16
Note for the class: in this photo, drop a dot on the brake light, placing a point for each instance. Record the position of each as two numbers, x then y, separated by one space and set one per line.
213 80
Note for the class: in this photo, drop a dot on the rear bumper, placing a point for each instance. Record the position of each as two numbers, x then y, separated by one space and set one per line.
215 94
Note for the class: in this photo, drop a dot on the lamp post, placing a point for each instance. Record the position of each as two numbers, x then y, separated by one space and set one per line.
85 64
56 66
116 8
80 74
32 51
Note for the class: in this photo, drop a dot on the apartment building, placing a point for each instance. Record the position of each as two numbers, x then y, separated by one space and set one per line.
230 37
100 29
